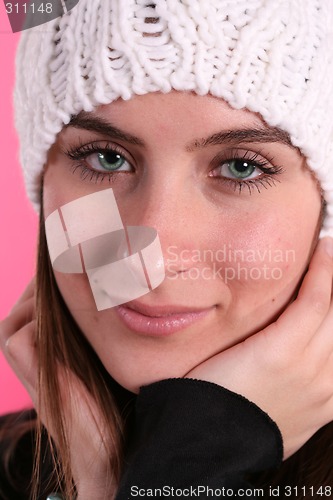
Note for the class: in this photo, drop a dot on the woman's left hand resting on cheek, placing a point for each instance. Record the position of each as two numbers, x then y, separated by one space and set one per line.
89 460
285 369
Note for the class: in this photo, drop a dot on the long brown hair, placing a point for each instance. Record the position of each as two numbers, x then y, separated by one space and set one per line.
59 339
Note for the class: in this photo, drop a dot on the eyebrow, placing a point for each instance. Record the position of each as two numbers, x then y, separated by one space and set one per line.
96 124
249 135
93 123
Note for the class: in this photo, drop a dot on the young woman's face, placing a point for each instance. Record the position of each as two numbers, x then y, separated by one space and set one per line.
236 210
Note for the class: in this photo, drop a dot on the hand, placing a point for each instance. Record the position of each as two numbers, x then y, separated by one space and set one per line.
287 368
84 427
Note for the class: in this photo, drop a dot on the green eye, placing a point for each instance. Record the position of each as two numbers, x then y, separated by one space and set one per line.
97 162
246 169
241 169
107 161
110 160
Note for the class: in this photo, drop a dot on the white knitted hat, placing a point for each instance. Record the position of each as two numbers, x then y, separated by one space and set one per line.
274 57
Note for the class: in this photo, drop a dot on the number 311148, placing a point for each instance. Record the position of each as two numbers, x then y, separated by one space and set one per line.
16 8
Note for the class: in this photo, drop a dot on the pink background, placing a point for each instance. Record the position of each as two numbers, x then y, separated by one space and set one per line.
18 221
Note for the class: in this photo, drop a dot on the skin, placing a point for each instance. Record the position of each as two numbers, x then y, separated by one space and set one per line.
172 190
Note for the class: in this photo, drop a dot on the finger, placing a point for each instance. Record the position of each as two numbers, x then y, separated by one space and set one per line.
320 271
24 314
20 352
27 294
321 345
303 317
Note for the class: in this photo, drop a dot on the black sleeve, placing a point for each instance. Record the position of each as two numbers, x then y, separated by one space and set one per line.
17 449
197 439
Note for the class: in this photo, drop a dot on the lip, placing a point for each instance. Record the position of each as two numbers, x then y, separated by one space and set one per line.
159 320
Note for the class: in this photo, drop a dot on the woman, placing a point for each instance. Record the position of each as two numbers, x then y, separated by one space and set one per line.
209 123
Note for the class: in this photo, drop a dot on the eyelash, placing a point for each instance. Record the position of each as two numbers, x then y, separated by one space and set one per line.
268 167
83 151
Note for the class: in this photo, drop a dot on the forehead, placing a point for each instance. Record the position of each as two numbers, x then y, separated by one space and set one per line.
195 121
176 108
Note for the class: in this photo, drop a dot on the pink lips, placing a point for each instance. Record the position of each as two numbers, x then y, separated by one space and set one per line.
158 320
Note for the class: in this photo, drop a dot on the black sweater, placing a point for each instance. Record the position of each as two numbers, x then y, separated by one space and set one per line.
189 439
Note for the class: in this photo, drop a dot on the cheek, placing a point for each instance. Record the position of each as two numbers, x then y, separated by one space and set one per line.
76 292
61 186
262 256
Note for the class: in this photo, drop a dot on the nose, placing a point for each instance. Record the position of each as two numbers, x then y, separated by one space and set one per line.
176 210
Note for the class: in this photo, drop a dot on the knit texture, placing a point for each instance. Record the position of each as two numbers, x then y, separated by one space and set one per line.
271 57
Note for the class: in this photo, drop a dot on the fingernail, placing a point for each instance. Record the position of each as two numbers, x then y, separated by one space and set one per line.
21 358
8 348
10 353
328 243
